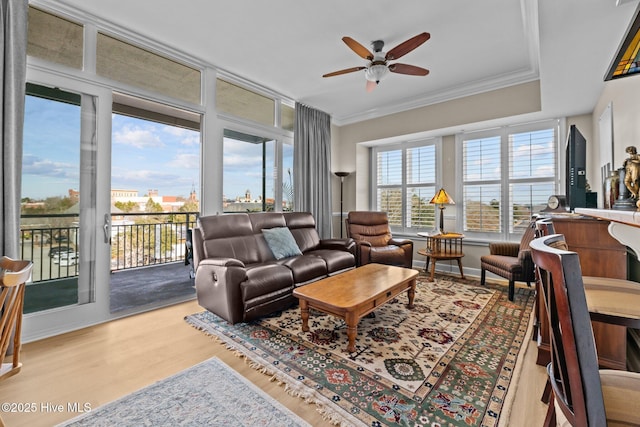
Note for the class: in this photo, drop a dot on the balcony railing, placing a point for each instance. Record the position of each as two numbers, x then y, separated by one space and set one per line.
137 240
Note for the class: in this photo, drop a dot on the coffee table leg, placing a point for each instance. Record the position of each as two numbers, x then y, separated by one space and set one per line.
304 313
352 331
411 293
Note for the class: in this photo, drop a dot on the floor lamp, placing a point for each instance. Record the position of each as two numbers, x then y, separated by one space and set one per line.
342 175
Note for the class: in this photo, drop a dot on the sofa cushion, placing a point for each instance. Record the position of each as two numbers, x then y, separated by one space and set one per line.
306 268
265 279
336 260
303 228
281 242
262 220
243 248
223 226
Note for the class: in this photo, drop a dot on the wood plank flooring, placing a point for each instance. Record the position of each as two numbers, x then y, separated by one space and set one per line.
102 363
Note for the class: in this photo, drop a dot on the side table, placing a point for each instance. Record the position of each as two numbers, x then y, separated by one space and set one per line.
445 246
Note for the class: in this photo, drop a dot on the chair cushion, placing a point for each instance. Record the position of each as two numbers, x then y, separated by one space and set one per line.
619 389
500 262
612 297
281 242
387 254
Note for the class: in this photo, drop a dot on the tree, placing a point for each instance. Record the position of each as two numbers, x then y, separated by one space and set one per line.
152 207
126 206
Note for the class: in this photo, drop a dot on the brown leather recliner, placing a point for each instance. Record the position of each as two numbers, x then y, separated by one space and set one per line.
374 242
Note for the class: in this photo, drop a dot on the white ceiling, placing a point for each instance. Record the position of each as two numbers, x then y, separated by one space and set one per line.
475 46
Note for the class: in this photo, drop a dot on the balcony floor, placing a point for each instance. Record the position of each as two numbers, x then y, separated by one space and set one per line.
150 286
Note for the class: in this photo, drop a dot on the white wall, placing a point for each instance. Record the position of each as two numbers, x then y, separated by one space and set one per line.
623 95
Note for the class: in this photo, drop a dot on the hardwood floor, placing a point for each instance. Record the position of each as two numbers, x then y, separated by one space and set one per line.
102 363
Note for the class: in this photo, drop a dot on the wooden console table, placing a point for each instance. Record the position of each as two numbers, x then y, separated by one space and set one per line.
447 246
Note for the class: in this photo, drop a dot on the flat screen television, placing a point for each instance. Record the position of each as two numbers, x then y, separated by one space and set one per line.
576 162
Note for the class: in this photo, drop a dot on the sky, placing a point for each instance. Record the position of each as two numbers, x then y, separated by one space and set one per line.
145 155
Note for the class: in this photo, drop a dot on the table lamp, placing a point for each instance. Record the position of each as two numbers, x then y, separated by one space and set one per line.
442 198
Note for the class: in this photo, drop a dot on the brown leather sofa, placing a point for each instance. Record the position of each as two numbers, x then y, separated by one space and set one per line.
374 242
237 275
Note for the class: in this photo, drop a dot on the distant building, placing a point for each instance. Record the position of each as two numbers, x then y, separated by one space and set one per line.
168 203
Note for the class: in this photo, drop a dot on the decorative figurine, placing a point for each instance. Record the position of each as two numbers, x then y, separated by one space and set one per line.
629 173
631 167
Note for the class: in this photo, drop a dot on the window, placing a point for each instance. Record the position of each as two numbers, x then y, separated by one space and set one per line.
132 65
405 178
54 39
507 175
241 102
251 178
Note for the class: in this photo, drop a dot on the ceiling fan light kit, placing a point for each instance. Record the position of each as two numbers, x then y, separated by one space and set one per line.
375 73
378 66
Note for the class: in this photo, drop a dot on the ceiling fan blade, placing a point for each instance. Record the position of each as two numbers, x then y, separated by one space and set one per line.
345 71
371 85
408 69
407 46
362 51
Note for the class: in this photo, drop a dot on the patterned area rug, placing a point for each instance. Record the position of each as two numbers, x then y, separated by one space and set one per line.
447 362
208 394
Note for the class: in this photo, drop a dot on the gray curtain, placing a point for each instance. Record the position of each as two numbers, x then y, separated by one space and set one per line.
13 76
312 166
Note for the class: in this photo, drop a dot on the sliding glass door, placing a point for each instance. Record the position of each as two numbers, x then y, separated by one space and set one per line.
155 201
60 230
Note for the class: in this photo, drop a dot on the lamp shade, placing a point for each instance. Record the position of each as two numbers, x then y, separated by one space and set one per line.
442 198
375 73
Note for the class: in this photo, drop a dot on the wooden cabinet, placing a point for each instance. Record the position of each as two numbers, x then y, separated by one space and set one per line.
600 255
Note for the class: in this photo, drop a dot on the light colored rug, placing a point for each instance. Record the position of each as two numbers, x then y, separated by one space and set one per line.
449 361
208 394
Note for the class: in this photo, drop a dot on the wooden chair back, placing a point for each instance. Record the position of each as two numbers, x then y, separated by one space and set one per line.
12 287
573 371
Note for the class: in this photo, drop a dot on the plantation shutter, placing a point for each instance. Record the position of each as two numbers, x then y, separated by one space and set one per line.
420 178
389 164
482 185
405 177
532 166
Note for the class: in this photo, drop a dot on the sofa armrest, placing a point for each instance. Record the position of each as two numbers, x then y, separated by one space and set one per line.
504 248
222 262
348 245
218 287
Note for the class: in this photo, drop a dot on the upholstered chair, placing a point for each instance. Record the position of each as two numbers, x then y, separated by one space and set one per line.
510 260
374 242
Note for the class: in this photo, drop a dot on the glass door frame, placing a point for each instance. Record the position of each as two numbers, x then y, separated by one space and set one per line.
63 319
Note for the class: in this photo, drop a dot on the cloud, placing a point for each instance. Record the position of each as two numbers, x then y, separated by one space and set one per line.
137 137
185 137
185 161
34 165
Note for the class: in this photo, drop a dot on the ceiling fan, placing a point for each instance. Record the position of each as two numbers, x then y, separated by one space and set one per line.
378 65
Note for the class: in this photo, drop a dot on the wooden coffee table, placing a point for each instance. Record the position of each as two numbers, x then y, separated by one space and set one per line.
355 293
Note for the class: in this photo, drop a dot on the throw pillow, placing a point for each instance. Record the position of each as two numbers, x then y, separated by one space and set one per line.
281 242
